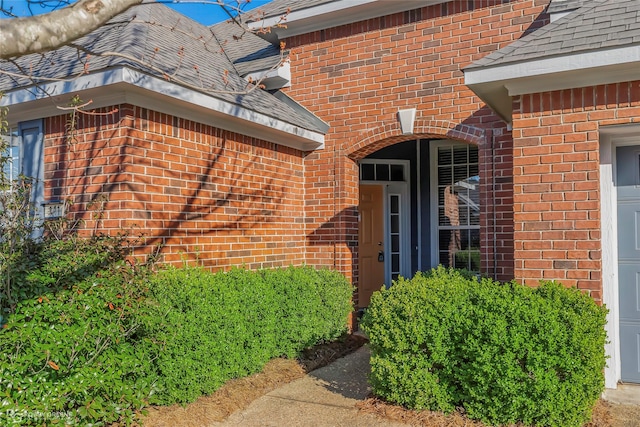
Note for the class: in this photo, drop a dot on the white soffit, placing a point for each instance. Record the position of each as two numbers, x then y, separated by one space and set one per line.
336 13
574 70
122 84
274 78
496 84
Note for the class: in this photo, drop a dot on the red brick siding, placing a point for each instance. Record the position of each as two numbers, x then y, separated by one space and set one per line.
356 77
557 183
191 189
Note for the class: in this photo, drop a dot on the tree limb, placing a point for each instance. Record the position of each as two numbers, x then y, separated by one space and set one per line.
34 34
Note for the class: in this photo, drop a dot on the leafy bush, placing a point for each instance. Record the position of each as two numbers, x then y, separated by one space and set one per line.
74 353
50 265
214 327
506 353
101 337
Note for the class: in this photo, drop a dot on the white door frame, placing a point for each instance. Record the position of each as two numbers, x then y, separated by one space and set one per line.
401 188
610 138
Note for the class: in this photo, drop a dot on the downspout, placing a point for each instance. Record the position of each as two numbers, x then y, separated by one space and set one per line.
339 225
419 202
493 204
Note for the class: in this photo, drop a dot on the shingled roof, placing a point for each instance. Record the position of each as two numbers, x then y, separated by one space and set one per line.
598 24
557 6
157 40
248 52
598 43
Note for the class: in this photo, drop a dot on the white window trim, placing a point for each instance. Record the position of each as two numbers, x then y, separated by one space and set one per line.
433 190
16 135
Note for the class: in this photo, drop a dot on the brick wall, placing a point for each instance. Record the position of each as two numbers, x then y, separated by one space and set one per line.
192 190
556 180
356 77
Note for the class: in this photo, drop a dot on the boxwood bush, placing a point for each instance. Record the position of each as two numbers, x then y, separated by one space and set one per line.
101 340
214 327
506 353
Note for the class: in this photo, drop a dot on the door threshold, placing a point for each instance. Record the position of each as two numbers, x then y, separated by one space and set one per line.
624 394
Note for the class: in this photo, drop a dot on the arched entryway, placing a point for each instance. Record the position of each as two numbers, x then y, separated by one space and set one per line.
419 206
408 217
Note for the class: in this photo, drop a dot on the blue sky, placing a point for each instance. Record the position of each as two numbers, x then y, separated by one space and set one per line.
200 11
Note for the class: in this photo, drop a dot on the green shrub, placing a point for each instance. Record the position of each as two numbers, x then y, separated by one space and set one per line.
505 353
102 338
52 264
75 354
214 327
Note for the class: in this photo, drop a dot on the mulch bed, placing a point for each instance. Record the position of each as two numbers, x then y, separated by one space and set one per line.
237 394
373 405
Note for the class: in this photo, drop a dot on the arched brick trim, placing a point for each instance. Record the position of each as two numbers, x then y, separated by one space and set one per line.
389 134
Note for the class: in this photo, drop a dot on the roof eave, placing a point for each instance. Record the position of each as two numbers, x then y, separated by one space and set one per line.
273 78
119 85
496 85
333 14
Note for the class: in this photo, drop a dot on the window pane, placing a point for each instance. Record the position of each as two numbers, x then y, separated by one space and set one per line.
382 172
460 173
395 243
367 172
445 176
395 224
444 155
395 204
395 262
11 168
397 173
460 155
473 155
444 259
458 186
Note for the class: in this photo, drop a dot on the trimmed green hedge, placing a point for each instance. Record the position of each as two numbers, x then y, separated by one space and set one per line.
108 340
214 327
506 353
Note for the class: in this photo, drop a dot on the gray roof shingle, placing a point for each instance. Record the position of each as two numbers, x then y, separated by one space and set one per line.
247 51
168 43
598 24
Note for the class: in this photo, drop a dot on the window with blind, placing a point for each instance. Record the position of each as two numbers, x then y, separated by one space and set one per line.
457 182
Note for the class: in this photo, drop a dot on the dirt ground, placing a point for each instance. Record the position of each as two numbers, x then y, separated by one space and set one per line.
238 394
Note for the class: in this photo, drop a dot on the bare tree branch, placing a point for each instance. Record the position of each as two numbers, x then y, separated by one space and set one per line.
40 33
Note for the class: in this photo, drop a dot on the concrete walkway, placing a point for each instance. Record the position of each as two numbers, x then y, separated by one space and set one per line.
324 398
327 397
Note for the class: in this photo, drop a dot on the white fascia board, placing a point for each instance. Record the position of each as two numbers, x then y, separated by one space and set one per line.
57 91
273 78
497 85
125 85
334 14
592 67
308 13
239 119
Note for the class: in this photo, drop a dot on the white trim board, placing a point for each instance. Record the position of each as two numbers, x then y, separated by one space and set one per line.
113 86
610 138
496 84
334 14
